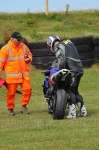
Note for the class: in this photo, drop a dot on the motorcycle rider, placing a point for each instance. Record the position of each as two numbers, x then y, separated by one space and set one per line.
68 58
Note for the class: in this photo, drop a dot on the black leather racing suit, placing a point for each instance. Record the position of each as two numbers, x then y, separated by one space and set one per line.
67 57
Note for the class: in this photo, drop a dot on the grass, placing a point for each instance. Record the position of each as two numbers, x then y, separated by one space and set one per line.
39 131
36 27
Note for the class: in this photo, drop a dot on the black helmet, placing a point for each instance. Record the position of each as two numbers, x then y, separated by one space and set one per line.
51 39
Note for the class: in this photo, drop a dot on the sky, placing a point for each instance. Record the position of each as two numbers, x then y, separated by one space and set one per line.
33 6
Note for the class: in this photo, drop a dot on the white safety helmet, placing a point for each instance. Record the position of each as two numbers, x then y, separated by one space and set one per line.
51 39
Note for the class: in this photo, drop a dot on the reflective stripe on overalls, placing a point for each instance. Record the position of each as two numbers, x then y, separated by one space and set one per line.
15 58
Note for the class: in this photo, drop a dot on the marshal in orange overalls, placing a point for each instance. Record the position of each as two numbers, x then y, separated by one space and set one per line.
12 59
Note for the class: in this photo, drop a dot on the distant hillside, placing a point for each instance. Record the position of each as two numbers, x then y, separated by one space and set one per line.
36 27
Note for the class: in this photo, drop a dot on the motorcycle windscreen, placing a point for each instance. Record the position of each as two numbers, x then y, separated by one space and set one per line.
53 71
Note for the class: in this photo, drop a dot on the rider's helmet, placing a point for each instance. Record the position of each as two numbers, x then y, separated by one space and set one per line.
51 39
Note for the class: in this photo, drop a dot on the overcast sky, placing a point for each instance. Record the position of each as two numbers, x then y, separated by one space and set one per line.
39 5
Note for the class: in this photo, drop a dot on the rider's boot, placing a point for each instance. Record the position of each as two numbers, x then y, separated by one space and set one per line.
72 112
83 111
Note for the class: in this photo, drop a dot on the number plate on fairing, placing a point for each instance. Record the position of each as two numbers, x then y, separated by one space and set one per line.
60 75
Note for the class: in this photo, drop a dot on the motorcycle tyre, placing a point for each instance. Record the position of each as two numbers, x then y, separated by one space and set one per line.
60 104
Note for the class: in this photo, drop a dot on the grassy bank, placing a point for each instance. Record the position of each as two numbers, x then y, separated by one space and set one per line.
37 27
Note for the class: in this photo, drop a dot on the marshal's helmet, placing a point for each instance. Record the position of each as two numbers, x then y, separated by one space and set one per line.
51 40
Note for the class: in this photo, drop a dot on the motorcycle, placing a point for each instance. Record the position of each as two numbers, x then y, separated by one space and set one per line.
55 89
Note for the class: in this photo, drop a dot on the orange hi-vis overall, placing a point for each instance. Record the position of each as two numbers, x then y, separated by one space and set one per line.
17 72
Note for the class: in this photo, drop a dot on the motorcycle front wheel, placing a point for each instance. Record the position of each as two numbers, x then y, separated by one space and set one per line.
60 104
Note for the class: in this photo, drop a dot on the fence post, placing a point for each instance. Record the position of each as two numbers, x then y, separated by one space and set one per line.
46 7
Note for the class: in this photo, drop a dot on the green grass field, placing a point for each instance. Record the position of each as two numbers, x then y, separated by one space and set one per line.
38 131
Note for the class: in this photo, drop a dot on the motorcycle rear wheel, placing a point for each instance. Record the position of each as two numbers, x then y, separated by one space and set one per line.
60 104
